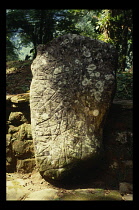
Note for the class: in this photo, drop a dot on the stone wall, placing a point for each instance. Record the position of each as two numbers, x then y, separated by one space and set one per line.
117 137
19 143
118 140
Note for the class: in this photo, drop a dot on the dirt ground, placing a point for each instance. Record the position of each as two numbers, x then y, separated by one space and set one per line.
33 181
32 186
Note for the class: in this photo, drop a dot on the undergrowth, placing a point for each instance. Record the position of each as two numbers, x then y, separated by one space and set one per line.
124 86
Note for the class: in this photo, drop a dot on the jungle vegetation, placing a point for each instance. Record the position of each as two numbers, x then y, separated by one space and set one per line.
31 27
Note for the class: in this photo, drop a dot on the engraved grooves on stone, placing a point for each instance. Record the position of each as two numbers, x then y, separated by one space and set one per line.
70 95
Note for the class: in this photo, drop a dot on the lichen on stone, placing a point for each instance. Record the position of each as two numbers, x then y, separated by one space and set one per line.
68 102
91 67
77 61
44 61
97 74
97 95
109 77
89 60
86 52
99 84
58 70
65 42
86 82
96 112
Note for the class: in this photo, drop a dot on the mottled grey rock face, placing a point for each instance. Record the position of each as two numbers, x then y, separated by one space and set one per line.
71 91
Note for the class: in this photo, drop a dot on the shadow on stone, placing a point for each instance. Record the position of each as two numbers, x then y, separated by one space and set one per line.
84 176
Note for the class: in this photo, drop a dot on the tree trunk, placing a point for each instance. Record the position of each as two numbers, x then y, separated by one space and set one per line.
40 35
124 48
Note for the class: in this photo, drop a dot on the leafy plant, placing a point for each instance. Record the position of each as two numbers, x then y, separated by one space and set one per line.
124 86
41 26
25 88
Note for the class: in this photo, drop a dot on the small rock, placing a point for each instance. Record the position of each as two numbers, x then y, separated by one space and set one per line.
15 190
26 165
17 118
128 197
125 188
46 194
20 98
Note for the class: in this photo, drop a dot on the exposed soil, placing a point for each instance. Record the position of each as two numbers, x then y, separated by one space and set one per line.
26 184
33 181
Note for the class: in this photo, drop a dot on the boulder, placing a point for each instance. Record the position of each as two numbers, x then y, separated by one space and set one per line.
15 190
25 132
26 165
45 194
19 98
125 188
17 118
23 149
71 92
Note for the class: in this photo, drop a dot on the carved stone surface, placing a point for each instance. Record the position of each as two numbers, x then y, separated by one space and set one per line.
71 91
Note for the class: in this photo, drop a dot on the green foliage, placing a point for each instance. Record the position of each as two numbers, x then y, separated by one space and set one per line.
87 23
11 54
111 26
124 86
116 27
41 26
36 26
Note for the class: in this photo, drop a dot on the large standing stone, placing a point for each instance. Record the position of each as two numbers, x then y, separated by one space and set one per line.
71 91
